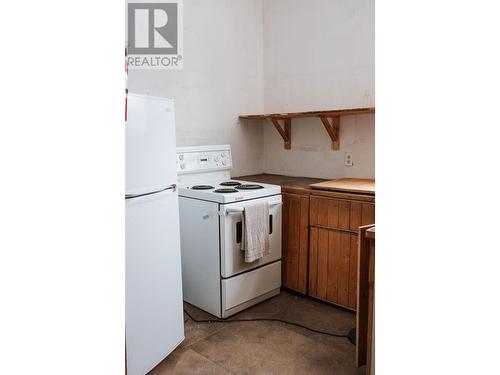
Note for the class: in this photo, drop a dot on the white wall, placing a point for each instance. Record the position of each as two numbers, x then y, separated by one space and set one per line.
254 56
222 77
319 55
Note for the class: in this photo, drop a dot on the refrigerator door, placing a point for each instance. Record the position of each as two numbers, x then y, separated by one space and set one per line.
149 144
153 286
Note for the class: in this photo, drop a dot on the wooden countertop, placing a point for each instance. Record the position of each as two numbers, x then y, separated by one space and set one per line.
350 185
300 185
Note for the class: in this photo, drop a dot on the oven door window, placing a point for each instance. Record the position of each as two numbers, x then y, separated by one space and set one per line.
239 229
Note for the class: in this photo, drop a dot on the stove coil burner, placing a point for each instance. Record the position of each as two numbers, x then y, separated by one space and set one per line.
201 187
225 190
230 183
249 187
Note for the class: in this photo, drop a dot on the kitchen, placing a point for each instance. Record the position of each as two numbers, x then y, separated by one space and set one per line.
269 124
229 223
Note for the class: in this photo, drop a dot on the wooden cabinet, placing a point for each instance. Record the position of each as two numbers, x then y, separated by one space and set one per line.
361 214
332 267
333 242
295 241
320 237
340 214
365 334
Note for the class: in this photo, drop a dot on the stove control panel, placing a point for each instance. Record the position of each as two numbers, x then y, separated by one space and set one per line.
189 161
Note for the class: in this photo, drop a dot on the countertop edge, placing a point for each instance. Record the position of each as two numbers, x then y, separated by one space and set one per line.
301 185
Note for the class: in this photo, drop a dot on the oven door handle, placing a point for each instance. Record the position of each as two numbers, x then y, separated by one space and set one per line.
235 210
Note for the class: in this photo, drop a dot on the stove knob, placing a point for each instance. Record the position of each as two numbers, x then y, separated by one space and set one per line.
181 157
183 166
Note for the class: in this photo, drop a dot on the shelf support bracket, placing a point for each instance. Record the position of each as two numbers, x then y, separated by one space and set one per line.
285 132
333 130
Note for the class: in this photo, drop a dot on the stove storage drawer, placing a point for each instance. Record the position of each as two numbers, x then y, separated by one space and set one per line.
242 291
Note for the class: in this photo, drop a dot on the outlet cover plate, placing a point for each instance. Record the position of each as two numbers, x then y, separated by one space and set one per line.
348 159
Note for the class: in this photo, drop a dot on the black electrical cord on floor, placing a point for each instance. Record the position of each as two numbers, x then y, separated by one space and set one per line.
348 336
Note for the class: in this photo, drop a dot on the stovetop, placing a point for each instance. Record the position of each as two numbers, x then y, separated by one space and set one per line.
228 191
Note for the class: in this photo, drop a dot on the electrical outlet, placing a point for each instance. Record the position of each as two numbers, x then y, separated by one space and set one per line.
348 159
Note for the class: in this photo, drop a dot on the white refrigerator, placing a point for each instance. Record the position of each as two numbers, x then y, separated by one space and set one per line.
154 323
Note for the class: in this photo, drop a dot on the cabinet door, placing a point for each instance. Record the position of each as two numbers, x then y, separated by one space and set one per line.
332 266
328 212
295 241
361 214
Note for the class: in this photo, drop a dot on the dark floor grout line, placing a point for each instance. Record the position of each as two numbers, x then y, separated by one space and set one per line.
216 364
202 338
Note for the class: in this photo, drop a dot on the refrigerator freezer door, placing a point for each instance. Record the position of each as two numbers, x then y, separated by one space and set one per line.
149 144
153 286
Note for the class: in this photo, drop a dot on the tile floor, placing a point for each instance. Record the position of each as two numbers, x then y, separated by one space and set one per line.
266 347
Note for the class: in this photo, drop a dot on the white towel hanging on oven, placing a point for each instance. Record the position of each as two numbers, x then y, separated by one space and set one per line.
255 231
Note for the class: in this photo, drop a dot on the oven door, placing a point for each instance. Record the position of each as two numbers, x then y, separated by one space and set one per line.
232 257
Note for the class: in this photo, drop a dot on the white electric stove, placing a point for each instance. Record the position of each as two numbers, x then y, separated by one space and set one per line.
215 277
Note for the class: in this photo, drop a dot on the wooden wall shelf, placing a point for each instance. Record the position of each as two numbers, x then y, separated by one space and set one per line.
332 128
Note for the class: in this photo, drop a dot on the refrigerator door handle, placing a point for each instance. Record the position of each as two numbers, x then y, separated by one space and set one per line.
172 188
